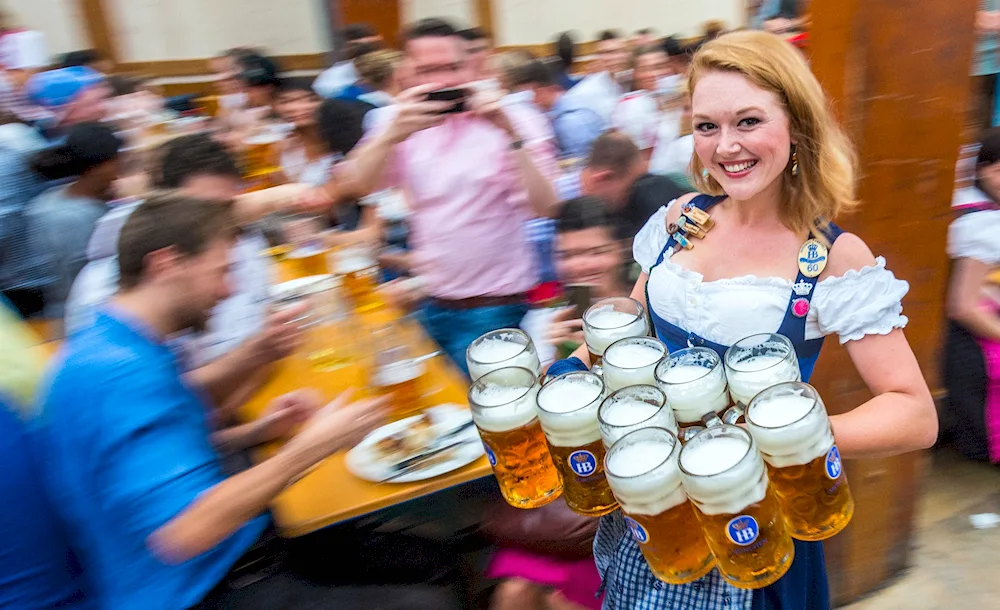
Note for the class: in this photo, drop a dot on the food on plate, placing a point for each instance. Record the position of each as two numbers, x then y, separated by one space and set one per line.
408 442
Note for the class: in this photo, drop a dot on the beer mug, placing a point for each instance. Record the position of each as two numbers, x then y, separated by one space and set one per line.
694 382
724 475
504 411
500 349
359 270
633 408
308 253
758 362
262 155
642 470
612 319
567 410
398 372
789 423
631 361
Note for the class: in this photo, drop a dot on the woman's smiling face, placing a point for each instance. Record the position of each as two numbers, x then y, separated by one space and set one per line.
741 133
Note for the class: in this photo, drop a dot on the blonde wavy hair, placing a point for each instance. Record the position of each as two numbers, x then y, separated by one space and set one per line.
824 185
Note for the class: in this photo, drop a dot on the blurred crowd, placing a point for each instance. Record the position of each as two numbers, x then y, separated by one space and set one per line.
134 227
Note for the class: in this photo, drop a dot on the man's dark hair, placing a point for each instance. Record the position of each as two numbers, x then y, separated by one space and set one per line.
357 31
581 213
989 153
644 32
341 124
472 34
259 71
296 83
193 155
566 49
83 57
164 220
613 150
608 35
432 27
672 46
538 73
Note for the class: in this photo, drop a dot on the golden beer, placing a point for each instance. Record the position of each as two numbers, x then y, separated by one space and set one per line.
308 260
360 277
612 319
402 381
262 156
642 471
567 410
725 477
791 426
503 408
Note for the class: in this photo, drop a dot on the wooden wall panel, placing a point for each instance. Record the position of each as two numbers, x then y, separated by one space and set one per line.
900 85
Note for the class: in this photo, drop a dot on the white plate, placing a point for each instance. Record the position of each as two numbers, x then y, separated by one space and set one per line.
365 463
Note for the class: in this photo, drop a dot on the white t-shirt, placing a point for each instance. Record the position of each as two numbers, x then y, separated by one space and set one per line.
976 235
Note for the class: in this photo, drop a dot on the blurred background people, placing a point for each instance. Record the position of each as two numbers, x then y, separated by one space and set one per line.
380 72
357 39
306 156
574 122
640 113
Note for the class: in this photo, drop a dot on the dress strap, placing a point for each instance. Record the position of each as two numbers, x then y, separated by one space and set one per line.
793 325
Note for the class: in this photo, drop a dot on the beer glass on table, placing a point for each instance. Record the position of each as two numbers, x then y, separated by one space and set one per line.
500 349
308 254
359 270
642 470
612 319
725 477
567 410
632 361
504 411
397 372
633 408
790 424
758 362
262 156
694 382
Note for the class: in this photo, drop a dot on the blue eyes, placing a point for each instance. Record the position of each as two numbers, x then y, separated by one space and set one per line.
747 123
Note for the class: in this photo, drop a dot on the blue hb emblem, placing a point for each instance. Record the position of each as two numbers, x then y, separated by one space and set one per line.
743 530
583 463
638 531
833 465
490 455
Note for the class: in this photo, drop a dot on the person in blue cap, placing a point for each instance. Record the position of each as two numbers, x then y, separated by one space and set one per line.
76 94
776 169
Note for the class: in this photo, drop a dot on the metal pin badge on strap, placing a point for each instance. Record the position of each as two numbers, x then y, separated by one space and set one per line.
813 256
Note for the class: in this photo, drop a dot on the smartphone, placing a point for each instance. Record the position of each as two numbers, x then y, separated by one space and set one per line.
579 299
456 95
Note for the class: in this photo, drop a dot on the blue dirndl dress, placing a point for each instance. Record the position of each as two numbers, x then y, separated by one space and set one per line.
804 586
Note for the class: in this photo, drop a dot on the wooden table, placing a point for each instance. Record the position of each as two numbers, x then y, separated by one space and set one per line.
330 494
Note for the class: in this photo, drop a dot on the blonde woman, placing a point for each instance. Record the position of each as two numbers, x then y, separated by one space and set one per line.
776 169
378 70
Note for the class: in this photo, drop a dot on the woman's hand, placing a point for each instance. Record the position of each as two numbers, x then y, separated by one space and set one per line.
564 328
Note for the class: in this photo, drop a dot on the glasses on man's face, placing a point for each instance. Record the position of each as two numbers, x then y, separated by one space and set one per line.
581 252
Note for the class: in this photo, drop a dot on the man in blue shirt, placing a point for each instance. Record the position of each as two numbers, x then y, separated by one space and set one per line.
575 123
127 456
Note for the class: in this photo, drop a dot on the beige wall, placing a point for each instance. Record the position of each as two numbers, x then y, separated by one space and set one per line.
150 30
537 21
58 19
462 12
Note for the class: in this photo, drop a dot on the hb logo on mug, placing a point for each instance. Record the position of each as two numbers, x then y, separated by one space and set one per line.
743 530
583 463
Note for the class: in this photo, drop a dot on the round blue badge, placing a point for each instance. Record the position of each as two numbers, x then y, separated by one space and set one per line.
743 530
638 531
490 455
583 463
833 465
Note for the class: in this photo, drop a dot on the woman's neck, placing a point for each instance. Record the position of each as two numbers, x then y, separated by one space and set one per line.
85 186
312 144
764 208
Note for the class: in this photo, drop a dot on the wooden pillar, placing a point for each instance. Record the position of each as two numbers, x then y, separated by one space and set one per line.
98 24
484 12
897 71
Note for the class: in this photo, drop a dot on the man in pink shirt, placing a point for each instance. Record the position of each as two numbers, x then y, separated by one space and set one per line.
472 179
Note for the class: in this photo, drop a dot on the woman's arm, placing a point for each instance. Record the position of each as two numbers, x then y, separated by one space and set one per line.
968 276
901 417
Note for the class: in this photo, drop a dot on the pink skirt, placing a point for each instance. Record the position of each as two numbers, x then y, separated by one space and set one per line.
991 354
577 580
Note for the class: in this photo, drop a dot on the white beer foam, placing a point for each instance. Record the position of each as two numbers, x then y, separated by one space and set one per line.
605 326
633 414
789 431
565 423
754 375
630 364
694 390
398 372
498 353
653 485
726 483
506 410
